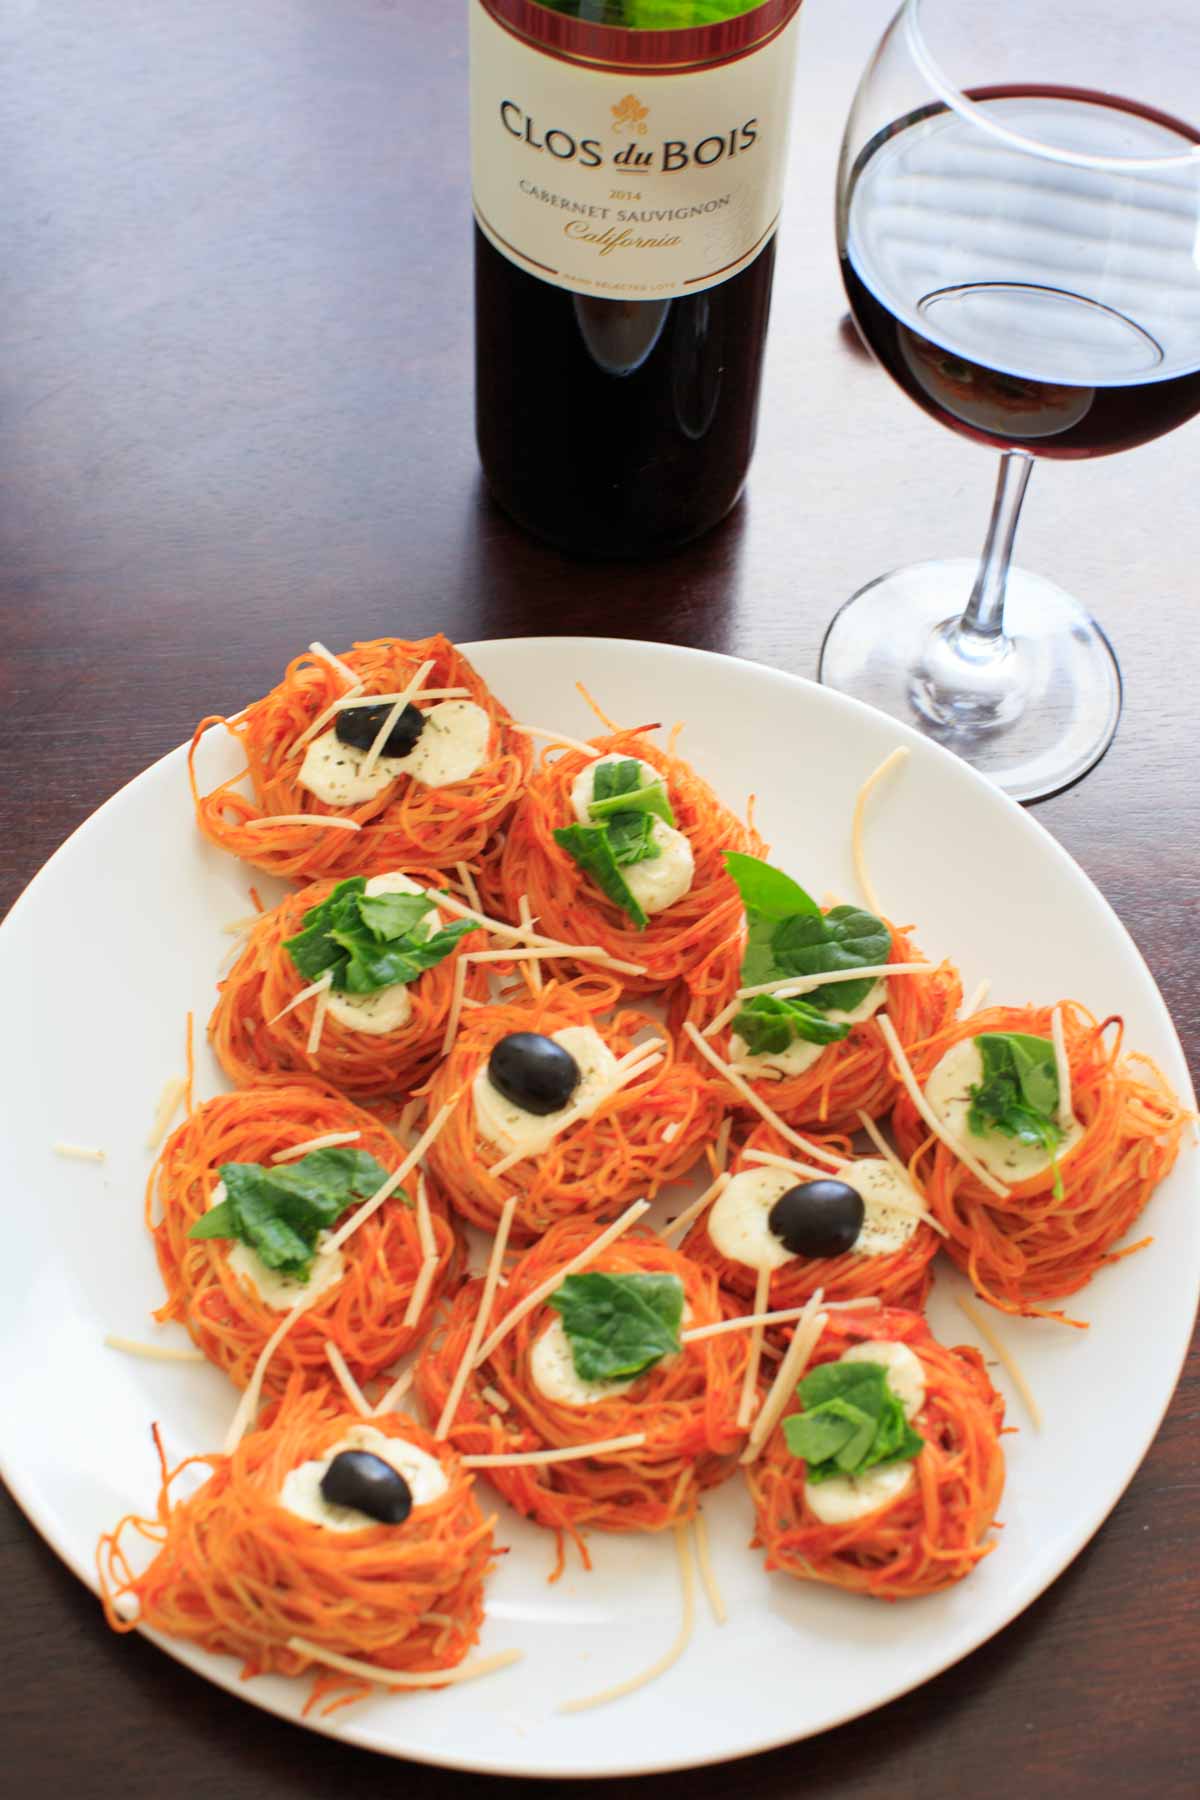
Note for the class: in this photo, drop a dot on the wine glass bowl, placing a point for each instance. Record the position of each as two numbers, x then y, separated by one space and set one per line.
1018 242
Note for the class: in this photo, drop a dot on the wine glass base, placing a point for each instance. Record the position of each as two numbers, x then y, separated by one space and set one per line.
1033 713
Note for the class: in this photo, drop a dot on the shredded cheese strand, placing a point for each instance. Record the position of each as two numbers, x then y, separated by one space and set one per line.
558 737
335 662
721 1148
391 1396
760 1106
349 700
79 1152
353 695
904 1070
1003 1356
788 1315
153 1352
346 1381
515 935
319 986
271 819
328 1141
977 998
525 912
762 1295
670 1656
529 1459
899 755
317 1026
397 707
395 1180
247 1406
708 1575
239 927
490 1283
420 1293
792 987
619 1226
391 1678
168 1100
457 995
804 1341
691 1213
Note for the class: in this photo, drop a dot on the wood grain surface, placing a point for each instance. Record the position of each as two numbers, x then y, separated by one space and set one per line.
236 391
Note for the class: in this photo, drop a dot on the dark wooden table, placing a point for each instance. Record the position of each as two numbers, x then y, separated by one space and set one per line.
236 390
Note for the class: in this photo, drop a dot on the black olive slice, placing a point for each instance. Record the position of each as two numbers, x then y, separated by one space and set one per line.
363 1480
818 1218
359 726
533 1072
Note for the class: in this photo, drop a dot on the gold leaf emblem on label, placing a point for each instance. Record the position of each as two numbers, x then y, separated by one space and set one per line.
629 116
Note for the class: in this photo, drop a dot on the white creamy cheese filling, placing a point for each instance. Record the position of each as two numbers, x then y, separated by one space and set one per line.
452 746
386 1008
738 1219
275 1289
552 1368
948 1091
301 1490
661 880
844 1498
801 1055
502 1122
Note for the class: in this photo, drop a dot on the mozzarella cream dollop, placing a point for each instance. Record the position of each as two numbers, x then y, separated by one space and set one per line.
661 880
275 1289
948 1091
844 1498
502 1122
387 1008
452 746
738 1219
801 1055
301 1490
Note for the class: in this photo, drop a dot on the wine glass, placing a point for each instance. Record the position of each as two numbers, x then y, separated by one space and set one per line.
1018 217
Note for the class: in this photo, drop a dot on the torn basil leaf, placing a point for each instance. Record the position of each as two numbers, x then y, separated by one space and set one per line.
619 1325
371 941
589 846
1019 1093
769 1025
852 1421
788 934
280 1210
620 787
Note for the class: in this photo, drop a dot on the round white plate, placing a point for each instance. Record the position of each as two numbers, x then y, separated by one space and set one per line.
120 936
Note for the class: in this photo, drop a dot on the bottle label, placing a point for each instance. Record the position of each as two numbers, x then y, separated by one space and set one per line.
636 184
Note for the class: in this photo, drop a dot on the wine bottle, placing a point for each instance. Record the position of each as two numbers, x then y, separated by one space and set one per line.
627 171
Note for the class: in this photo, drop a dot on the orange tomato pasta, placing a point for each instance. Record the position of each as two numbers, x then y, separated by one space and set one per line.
686 1405
1035 1246
567 903
362 1313
237 1573
899 1277
617 1154
406 825
849 1077
253 1035
930 1535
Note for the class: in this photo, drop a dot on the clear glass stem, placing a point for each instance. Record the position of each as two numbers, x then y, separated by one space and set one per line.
982 623
967 679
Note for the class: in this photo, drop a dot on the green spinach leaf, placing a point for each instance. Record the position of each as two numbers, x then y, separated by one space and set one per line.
1019 1094
591 848
280 1209
768 1025
852 1421
617 789
788 934
618 1325
371 941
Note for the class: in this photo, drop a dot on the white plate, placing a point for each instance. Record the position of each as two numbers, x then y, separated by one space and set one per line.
120 935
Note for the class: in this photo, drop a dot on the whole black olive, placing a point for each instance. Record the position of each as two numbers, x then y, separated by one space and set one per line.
363 1480
818 1218
533 1072
359 726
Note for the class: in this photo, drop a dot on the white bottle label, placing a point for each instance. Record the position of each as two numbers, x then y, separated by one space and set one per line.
631 186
